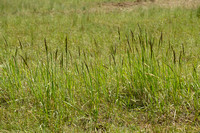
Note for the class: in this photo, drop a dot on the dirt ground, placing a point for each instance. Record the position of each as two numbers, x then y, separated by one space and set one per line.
162 3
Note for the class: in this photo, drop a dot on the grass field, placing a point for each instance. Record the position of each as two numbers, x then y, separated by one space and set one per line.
99 66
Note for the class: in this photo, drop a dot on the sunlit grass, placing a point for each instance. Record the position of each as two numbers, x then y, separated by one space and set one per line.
67 68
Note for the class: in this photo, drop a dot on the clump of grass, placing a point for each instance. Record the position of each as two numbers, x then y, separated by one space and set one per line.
80 88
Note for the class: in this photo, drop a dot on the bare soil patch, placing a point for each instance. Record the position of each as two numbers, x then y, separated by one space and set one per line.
145 3
122 4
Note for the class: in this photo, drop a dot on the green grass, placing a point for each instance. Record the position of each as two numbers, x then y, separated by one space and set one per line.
65 67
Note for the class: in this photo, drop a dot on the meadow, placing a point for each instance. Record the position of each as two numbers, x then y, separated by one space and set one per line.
99 66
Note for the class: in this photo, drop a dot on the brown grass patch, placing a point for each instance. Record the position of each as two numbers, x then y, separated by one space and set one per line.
122 4
146 3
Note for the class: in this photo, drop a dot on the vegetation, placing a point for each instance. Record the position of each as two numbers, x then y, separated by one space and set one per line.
95 66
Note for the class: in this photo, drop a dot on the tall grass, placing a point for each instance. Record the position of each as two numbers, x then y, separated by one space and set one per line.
100 80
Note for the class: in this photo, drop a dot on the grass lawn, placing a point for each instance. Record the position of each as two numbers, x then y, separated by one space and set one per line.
99 66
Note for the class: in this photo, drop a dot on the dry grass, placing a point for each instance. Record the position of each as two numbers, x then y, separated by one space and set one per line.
109 6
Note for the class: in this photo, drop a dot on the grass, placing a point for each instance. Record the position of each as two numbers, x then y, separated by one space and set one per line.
72 66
